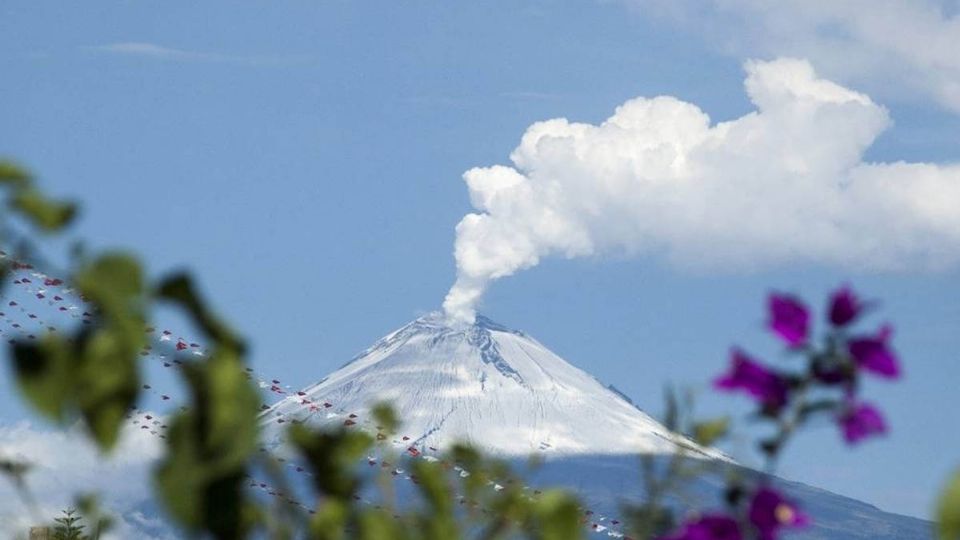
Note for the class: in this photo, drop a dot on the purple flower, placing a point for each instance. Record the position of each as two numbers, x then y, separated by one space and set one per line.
873 353
845 307
789 319
746 374
709 527
860 421
769 511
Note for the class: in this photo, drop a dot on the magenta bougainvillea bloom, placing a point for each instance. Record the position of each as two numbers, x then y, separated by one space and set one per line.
709 527
746 374
770 511
845 307
873 353
860 421
789 319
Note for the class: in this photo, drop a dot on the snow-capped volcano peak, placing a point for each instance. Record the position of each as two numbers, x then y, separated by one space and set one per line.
481 383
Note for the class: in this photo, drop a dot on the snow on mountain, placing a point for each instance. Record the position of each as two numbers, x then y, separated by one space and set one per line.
505 392
496 388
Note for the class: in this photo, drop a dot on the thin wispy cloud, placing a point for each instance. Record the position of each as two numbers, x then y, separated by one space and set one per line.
159 52
893 47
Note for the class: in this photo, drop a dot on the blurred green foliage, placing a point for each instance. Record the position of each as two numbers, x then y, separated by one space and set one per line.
948 510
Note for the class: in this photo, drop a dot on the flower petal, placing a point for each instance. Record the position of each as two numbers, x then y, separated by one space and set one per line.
748 375
845 307
873 354
861 421
789 319
769 511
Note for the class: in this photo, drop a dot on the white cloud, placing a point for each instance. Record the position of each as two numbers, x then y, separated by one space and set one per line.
783 184
64 464
905 47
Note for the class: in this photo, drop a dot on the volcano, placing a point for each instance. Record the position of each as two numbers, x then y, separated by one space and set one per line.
506 393
484 384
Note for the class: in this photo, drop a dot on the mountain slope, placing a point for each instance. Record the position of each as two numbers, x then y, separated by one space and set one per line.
506 393
496 388
605 483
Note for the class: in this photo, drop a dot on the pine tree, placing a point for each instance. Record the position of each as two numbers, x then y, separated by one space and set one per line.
68 526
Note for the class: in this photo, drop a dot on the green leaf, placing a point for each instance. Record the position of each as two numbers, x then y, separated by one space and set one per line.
556 517
330 521
44 373
433 486
107 383
948 510
386 418
13 175
201 479
180 478
708 432
179 288
45 213
471 460
96 376
438 521
114 281
332 456
107 377
379 524
230 405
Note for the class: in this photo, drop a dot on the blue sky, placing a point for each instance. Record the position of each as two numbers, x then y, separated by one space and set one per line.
305 159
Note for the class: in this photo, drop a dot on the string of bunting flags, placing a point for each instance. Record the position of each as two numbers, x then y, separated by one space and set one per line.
171 352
